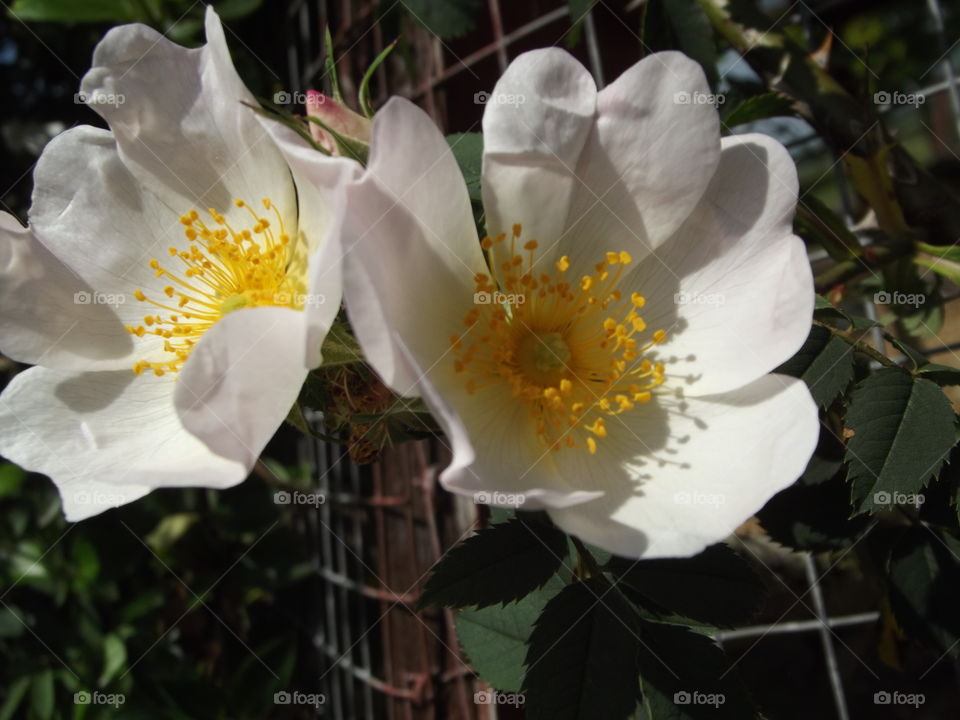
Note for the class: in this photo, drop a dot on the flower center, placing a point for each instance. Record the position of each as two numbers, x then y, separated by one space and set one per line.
220 270
569 351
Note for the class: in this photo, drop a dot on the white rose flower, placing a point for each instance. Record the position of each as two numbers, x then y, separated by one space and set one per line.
174 284
570 355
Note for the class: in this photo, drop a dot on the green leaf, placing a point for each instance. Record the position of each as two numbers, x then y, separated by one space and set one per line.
363 95
15 693
11 622
716 587
11 478
824 308
824 363
84 562
694 34
917 358
940 374
169 530
580 655
685 676
448 19
903 429
494 639
41 695
759 107
924 588
114 11
114 658
236 9
813 514
340 347
467 148
499 564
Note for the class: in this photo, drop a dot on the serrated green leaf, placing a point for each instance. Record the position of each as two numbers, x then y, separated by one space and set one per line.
813 514
494 639
580 655
924 587
824 308
685 676
716 587
940 374
903 430
759 107
499 564
824 363
467 149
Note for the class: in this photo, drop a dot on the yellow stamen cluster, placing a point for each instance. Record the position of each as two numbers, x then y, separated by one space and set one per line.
220 270
567 348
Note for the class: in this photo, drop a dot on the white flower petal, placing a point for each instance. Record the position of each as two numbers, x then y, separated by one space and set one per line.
181 126
519 473
241 380
397 287
94 217
724 457
409 258
319 181
646 163
412 162
534 128
733 288
49 314
104 438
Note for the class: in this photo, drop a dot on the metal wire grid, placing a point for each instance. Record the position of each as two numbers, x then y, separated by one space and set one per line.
403 482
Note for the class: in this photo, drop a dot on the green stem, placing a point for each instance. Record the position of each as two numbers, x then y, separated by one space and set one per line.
859 345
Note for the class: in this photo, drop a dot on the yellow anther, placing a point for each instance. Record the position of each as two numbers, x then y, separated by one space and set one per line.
563 264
